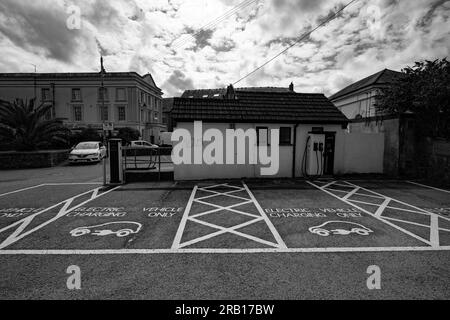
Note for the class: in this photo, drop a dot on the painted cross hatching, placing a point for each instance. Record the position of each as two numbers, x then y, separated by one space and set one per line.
19 228
386 209
236 201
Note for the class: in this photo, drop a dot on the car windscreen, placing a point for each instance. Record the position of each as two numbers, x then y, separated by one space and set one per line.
86 146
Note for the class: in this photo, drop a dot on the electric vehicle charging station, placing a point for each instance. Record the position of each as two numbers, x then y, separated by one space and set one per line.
315 154
318 159
115 161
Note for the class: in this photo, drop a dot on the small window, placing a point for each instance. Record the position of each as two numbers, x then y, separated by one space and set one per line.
76 95
121 94
103 94
46 95
122 113
263 136
285 136
77 113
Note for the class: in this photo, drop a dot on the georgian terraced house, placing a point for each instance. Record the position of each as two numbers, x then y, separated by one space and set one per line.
129 99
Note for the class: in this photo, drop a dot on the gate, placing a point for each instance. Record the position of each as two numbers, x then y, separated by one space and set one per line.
143 164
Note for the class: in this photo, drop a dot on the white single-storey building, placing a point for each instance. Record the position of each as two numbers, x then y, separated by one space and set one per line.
313 140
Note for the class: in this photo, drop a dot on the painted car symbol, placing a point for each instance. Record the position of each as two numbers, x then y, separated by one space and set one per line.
340 228
120 229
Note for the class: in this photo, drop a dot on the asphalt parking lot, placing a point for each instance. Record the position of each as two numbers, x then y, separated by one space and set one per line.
225 240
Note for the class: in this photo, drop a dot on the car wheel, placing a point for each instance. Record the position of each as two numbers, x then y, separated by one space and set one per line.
362 232
322 233
123 233
79 233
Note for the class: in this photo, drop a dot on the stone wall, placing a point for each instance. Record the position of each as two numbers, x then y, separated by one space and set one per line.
36 159
434 160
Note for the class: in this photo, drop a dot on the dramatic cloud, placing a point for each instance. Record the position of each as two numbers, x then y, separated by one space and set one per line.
210 43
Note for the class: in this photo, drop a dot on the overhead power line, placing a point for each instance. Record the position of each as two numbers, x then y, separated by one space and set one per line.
212 24
304 36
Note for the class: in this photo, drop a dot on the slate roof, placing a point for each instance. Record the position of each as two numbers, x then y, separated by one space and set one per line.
218 93
252 105
383 77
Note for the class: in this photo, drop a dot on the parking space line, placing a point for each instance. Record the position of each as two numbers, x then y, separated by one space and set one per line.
371 214
179 234
351 193
383 206
222 251
21 190
18 233
414 223
429 187
266 218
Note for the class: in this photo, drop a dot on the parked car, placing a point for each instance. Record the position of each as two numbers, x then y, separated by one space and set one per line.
143 144
120 229
87 152
340 228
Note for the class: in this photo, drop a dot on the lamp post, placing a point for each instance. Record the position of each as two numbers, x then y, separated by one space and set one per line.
102 90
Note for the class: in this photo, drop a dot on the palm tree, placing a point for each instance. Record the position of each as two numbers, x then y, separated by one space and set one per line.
24 127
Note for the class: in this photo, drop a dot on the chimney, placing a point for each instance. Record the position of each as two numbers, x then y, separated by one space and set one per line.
291 87
231 94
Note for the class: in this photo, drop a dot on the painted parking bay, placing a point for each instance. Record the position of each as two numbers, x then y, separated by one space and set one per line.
34 207
307 217
127 217
225 216
421 210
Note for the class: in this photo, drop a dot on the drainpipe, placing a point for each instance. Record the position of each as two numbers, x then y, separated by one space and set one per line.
294 151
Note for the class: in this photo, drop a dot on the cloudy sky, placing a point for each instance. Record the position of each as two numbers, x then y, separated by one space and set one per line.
189 44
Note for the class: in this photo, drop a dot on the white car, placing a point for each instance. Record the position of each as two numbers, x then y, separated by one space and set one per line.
342 228
87 152
143 144
120 229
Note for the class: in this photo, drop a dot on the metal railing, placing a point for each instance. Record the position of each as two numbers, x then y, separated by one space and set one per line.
139 159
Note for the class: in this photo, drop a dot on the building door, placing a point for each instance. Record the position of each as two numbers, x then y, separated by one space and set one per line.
329 152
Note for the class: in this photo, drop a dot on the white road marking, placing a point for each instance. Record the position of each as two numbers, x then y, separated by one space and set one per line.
415 223
429 187
351 193
18 233
221 251
21 190
51 184
74 184
371 214
177 244
266 218
382 207
177 240
434 231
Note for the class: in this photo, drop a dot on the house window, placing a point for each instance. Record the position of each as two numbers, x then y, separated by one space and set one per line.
103 94
121 111
285 136
104 116
46 94
121 94
76 95
263 136
77 113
